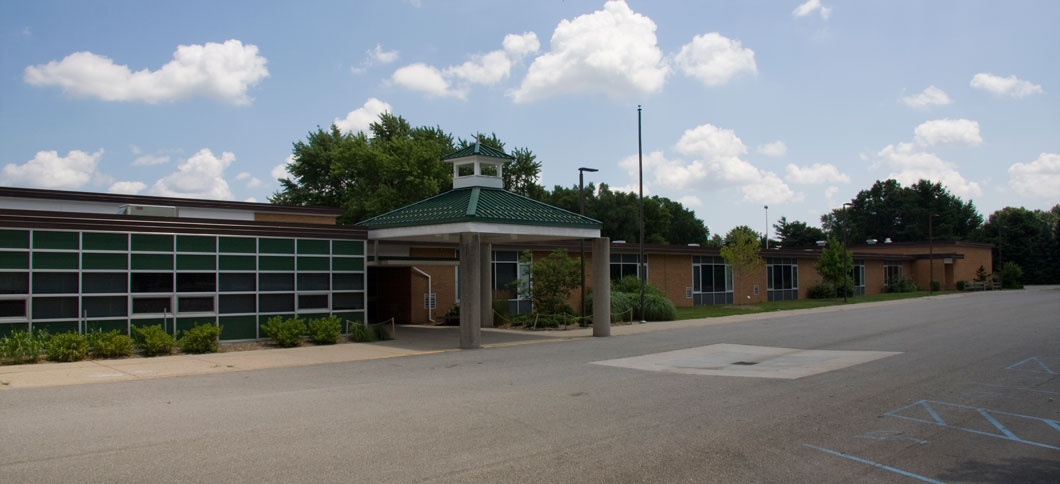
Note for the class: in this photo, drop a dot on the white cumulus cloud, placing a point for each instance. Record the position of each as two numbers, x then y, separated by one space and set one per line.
427 79
910 164
690 201
200 176
375 56
127 187
613 50
1039 178
486 69
775 149
521 45
359 119
815 174
1005 86
931 96
250 180
810 7
49 170
279 172
220 71
949 132
150 160
454 81
714 59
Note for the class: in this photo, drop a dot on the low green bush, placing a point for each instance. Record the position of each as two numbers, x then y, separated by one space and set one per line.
23 346
286 333
826 290
381 333
1011 273
363 334
325 331
154 340
901 284
658 308
631 284
67 347
201 338
936 286
111 344
962 285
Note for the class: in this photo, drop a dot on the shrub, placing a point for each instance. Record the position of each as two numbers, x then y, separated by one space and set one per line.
901 284
1011 273
154 340
631 284
962 285
67 347
23 346
200 339
658 308
363 334
936 286
112 344
325 330
286 333
381 332
821 290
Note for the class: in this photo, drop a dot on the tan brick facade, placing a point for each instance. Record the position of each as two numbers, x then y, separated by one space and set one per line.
293 218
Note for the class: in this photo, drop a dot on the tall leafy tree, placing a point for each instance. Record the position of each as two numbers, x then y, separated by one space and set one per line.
1029 239
665 221
741 252
797 234
835 264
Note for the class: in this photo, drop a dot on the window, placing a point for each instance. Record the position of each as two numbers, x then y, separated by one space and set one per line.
195 304
312 301
237 303
55 283
276 303
196 282
243 282
857 273
623 265
54 307
347 301
276 282
711 281
105 306
891 272
15 308
782 279
347 282
102 283
14 283
152 305
313 282
152 282
507 271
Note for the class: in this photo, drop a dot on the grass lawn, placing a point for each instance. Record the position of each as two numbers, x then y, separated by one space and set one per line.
698 312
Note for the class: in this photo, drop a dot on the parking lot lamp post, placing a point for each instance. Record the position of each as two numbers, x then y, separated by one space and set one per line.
581 211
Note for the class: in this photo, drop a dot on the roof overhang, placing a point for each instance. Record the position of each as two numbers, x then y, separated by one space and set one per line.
490 233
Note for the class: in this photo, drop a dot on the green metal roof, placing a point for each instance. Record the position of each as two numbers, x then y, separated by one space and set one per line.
480 204
481 150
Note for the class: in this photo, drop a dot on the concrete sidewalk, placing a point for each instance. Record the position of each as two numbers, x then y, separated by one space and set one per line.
411 340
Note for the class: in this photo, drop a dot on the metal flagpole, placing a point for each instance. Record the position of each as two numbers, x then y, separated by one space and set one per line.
641 270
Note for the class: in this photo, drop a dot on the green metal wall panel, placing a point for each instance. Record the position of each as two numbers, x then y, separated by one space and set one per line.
347 264
238 263
55 260
152 243
312 263
14 239
353 316
152 262
275 263
56 327
238 327
104 241
8 328
196 262
196 243
346 247
184 324
122 325
105 261
241 245
275 246
312 246
55 240
14 260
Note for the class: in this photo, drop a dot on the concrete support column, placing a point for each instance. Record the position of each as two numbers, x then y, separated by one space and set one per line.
470 290
487 285
601 287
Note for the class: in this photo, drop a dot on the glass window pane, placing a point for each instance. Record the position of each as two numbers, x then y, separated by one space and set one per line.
313 301
313 282
347 300
237 303
143 305
152 282
347 282
97 283
54 307
54 282
97 307
195 304
696 278
14 283
276 282
196 282
505 273
10 308
238 282
276 303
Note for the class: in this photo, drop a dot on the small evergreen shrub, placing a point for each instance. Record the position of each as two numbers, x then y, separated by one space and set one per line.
901 284
67 347
154 340
200 339
286 333
325 331
1011 273
962 285
363 334
111 344
657 308
821 290
23 346
936 286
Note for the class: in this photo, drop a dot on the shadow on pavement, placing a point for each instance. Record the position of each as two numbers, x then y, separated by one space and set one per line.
1021 469
436 338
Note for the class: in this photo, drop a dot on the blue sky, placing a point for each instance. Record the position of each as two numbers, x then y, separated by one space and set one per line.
796 105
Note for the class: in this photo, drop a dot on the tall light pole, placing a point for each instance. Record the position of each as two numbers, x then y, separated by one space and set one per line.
846 221
931 255
581 211
767 227
641 270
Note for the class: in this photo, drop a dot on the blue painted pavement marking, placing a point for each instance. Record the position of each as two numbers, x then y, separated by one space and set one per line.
1006 434
1035 359
875 464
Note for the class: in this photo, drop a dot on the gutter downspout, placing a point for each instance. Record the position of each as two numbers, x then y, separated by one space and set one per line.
430 311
